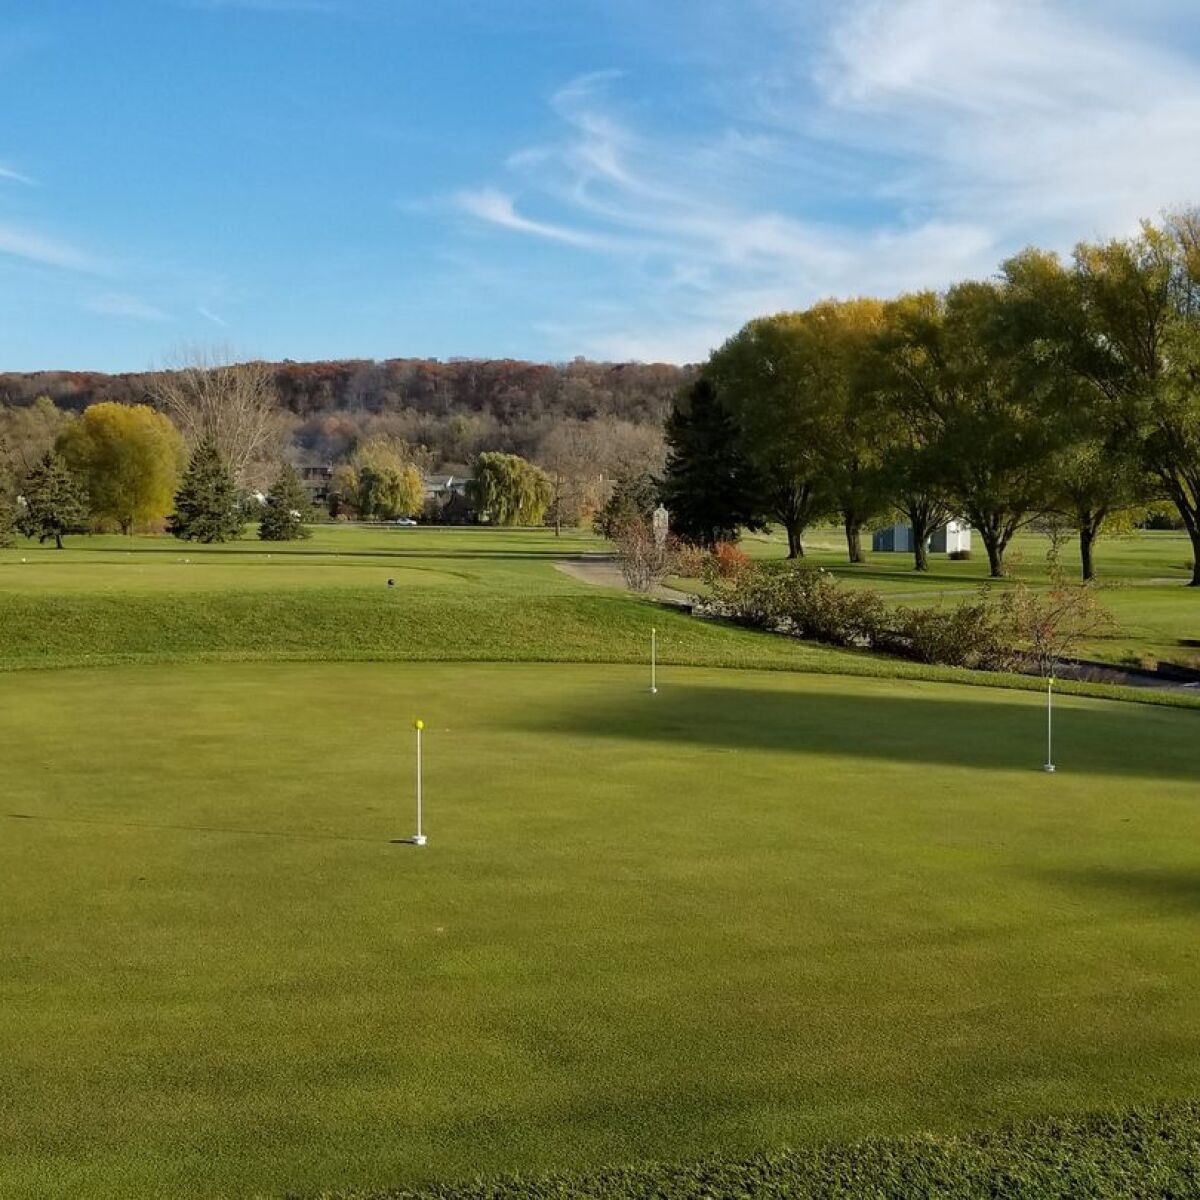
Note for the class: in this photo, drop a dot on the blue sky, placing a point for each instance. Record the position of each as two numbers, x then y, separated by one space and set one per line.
545 178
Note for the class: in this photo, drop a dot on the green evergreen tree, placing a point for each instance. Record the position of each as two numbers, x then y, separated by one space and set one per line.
54 501
708 485
286 509
8 525
8 528
633 501
206 505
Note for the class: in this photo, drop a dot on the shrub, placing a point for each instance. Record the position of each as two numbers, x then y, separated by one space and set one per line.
809 602
805 601
691 561
976 634
820 608
729 561
959 555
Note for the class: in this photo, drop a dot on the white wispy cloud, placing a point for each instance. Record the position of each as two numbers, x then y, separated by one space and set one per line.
14 176
876 146
1038 118
493 206
37 248
118 304
209 315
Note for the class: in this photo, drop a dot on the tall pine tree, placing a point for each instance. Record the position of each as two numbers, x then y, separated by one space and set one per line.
206 505
708 487
7 522
54 501
286 508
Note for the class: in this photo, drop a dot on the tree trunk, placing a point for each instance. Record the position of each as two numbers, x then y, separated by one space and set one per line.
1087 540
920 531
58 541
1194 533
854 540
995 553
795 546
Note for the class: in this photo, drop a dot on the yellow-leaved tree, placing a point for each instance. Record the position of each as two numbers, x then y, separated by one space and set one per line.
129 457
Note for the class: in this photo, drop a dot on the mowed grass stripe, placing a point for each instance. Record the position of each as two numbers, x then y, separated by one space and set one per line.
756 910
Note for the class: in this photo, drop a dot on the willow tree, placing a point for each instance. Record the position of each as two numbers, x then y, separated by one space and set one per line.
508 490
385 478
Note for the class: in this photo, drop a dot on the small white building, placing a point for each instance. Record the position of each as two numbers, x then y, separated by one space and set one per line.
950 538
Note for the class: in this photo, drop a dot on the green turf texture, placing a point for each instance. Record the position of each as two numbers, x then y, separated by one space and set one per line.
1144 1153
760 909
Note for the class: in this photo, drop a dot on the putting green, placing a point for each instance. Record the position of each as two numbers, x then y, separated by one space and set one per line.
754 910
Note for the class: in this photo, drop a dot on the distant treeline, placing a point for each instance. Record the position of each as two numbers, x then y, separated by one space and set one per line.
456 408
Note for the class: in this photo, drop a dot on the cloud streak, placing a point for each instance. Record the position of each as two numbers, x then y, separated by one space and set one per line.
48 252
905 143
14 176
118 304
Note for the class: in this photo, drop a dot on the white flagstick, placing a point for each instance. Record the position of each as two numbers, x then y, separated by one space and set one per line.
653 662
419 840
1049 724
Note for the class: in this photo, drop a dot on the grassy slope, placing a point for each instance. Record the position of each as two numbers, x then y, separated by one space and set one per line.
459 595
759 909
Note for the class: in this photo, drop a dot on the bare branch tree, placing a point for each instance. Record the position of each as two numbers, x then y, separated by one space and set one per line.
1050 626
232 404
645 559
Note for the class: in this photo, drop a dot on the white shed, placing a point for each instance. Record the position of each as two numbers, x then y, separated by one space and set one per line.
946 539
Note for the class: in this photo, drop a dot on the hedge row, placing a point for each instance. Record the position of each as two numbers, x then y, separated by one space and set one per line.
1142 1153
809 602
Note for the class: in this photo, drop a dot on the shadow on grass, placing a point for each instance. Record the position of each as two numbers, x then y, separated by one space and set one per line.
982 732
1177 890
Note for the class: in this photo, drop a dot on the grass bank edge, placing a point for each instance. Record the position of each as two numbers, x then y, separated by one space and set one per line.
595 628
1146 1152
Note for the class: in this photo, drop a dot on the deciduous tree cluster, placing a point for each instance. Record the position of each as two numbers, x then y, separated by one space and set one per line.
1062 389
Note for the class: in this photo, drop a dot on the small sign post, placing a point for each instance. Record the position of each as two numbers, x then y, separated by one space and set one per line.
1049 723
419 839
661 522
653 662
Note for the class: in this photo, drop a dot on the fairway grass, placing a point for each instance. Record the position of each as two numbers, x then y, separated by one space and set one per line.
757 910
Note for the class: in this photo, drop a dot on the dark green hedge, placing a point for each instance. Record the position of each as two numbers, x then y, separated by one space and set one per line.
1144 1153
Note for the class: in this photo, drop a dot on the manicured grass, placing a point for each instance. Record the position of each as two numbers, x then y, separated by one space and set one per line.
458 594
760 909
1147 1153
